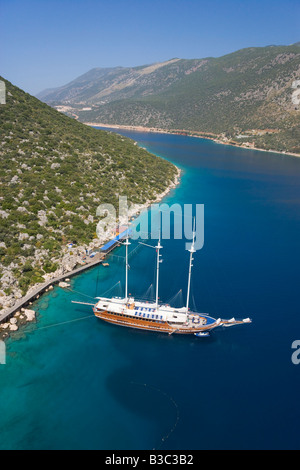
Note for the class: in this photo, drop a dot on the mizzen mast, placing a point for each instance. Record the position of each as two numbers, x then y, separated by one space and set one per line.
158 248
192 251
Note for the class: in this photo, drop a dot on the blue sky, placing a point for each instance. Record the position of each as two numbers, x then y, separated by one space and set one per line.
47 43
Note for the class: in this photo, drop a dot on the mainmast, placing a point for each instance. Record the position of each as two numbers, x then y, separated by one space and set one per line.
127 243
158 248
192 251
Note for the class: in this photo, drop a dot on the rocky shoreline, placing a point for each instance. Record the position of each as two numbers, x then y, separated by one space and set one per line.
21 318
69 261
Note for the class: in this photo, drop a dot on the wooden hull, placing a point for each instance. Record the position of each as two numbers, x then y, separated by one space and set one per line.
148 325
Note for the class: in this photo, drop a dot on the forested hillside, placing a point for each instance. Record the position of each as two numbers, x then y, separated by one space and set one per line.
54 174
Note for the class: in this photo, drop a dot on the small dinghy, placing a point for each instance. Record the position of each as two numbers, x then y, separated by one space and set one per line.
202 333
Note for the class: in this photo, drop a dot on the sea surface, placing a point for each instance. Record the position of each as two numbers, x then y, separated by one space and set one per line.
73 382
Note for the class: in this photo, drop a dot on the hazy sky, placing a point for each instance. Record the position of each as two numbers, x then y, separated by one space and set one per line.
47 43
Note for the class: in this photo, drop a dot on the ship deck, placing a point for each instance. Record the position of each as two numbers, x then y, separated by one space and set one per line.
146 316
155 322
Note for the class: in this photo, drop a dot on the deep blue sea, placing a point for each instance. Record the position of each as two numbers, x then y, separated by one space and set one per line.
73 382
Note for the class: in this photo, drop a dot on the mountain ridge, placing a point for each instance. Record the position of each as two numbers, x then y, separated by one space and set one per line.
248 92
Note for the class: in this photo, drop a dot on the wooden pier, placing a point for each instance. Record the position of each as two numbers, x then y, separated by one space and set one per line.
43 288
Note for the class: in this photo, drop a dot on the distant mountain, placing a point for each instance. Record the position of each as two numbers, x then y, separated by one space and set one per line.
246 97
103 85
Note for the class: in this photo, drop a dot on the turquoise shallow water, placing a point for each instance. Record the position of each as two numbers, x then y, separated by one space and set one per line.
72 382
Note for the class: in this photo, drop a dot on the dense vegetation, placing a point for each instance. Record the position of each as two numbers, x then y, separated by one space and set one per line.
248 90
55 172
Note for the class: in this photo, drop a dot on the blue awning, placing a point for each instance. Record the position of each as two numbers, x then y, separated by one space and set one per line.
112 242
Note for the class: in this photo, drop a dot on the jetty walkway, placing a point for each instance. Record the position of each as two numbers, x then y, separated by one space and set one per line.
35 294
99 256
